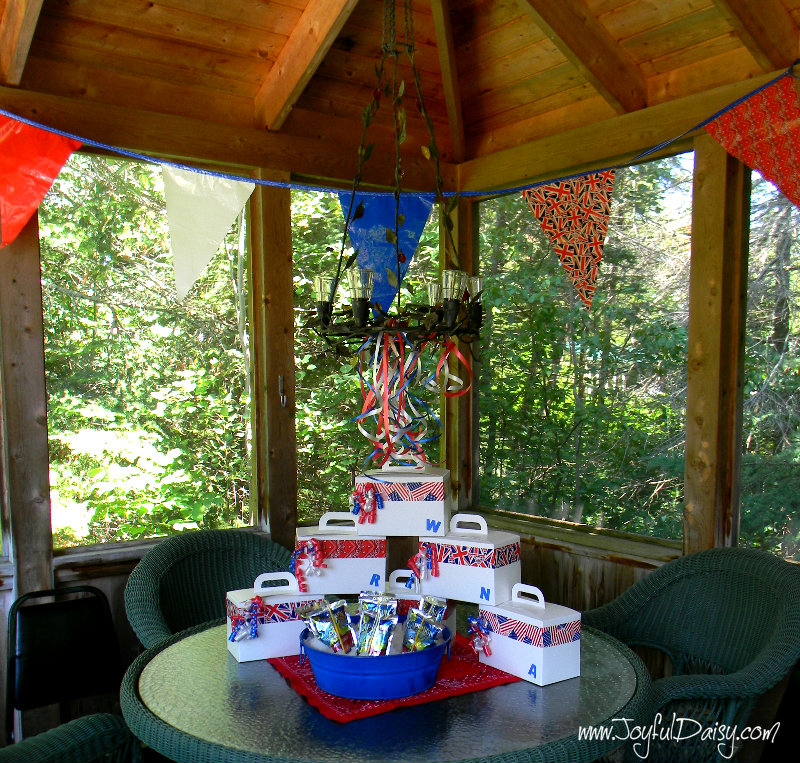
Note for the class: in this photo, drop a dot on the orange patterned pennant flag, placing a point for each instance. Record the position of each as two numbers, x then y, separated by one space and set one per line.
763 131
574 215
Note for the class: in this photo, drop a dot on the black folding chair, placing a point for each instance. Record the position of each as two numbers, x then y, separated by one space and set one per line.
60 650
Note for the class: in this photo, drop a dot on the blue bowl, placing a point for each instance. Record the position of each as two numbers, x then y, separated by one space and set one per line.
390 676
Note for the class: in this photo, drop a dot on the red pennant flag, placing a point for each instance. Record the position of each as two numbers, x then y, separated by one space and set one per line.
764 133
574 215
30 159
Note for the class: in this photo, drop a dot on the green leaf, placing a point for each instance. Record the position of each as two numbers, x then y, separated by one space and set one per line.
366 152
351 260
426 152
401 89
401 218
452 202
359 211
391 237
391 277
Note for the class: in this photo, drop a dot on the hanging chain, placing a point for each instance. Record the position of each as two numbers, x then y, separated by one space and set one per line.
389 37
390 47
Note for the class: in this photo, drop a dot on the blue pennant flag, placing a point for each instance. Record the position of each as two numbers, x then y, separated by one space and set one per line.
368 235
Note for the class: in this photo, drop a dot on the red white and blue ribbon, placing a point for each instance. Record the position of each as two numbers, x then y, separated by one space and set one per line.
392 418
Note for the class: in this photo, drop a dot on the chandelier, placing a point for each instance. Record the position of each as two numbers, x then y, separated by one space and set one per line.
450 308
391 343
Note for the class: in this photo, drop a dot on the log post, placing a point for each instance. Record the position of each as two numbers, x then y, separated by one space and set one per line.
717 309
23 413
273 372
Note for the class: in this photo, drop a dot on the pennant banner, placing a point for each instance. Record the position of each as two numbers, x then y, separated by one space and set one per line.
764 133
30 159
368 235
574 215
200 210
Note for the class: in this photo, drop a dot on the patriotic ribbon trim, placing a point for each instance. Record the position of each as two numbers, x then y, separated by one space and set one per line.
408 492
269 613
476 556
533 635
362 548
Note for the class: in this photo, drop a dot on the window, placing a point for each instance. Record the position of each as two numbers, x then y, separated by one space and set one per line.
148 420
330 450
770 487
582 412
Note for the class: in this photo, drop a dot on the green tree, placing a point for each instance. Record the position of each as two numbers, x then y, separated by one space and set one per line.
147 396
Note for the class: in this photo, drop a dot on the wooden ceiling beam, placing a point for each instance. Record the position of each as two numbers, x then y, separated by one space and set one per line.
443 29
202 143
17 25
765 28
607 143
586 44
299 58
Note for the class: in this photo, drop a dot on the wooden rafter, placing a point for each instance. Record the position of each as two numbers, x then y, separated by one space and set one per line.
447 60
586 44
193 140
17 25
307 45
766 28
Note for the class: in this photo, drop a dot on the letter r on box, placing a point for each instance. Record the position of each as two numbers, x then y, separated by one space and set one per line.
376 580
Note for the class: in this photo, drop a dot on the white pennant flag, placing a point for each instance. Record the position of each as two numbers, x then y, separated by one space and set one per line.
200 210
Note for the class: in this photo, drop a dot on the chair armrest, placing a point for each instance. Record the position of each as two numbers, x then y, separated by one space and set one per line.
99 737
748 683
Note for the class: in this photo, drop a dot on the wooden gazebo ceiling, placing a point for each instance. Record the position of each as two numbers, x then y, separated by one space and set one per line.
282 84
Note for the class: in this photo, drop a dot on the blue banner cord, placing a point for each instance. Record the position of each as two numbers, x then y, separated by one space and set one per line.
423 195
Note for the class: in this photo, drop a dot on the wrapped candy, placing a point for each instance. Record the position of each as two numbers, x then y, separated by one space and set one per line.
421 631
331 624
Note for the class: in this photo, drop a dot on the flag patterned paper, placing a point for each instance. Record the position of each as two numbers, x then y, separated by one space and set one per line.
411 491
30 160
280 612
574 215
764 133
535 635
477 556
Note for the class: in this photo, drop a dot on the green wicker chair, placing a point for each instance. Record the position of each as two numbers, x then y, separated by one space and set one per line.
729 620
183 580
92 739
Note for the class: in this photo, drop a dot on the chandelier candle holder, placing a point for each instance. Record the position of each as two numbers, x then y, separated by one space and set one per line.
391 338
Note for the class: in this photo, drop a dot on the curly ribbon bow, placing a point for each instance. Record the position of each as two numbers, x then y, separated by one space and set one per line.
365 501
308 557
481 635
422 563
256 608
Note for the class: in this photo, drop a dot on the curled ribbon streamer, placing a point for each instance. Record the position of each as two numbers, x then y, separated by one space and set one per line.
399 424
443 369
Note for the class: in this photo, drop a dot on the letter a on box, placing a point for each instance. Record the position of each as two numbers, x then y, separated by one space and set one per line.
532 670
